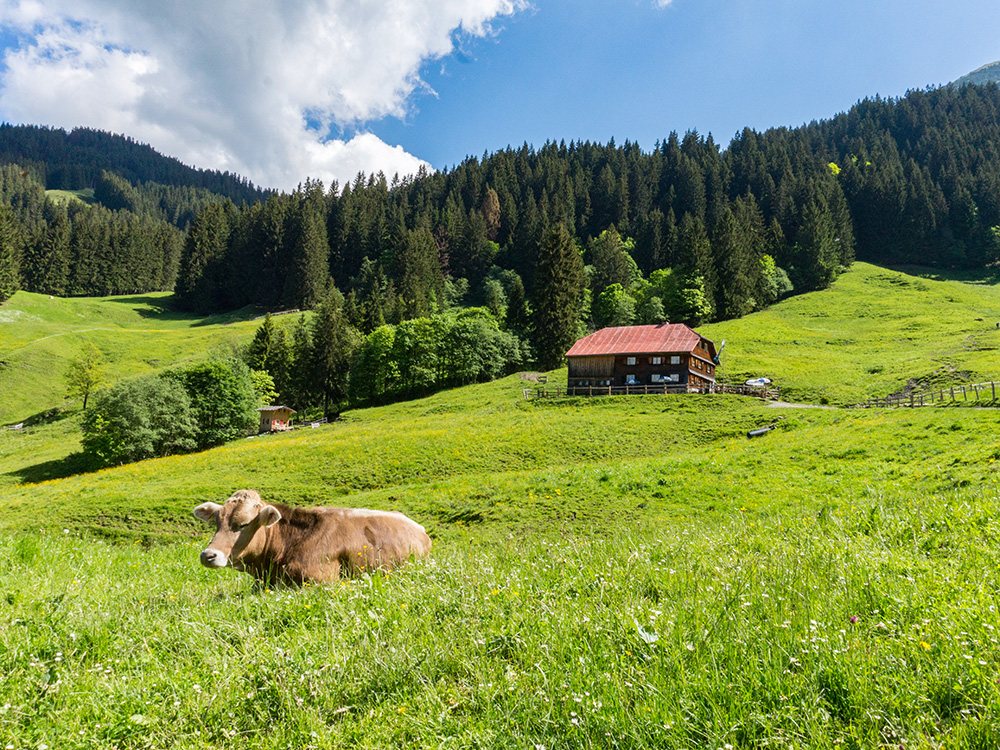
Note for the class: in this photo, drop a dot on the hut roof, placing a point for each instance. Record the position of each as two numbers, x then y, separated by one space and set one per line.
277 408
650 339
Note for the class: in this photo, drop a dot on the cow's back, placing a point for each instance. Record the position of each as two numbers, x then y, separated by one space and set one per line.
319 543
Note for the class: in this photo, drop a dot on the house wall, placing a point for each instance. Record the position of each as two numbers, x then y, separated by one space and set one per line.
672 367
592 369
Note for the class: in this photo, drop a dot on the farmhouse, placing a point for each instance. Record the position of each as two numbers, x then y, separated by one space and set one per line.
669 356
275 418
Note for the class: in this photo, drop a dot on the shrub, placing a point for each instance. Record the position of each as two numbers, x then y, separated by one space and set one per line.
223 399
140 418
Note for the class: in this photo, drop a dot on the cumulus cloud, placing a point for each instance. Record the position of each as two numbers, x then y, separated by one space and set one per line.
252 86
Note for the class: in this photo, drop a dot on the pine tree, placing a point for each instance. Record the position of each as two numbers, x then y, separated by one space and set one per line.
10 275
200 284
517 317
815 255
299 391
307 275
694 256
333 345
421 284
736 266
559 285
611 265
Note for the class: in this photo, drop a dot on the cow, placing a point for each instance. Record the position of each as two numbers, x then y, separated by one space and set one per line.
275 542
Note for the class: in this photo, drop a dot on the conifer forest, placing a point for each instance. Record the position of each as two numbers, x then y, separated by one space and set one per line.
549 239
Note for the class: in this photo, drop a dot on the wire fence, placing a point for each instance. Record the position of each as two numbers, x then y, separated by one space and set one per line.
953 394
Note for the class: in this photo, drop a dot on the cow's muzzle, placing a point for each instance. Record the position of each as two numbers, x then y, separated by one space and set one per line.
212 558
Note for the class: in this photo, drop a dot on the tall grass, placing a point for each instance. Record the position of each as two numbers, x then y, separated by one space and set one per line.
859 627
617 572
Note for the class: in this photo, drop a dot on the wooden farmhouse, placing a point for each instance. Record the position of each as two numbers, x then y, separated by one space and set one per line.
275 418
638 359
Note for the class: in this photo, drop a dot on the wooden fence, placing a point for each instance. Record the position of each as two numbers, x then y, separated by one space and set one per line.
649 390
953 394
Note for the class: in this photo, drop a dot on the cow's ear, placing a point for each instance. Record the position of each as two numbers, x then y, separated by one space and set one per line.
269 515
207 512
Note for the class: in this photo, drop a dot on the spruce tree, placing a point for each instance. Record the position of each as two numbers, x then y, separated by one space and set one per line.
559 285
9 256
308 272
333 345
611 265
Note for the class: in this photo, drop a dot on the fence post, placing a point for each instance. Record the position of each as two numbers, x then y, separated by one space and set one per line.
953 393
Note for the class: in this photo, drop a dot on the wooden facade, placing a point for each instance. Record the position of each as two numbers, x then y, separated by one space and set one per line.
667 356
275 418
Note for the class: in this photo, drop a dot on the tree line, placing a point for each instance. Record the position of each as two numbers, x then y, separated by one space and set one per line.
77 249
320 364
687 232
325 362
76 160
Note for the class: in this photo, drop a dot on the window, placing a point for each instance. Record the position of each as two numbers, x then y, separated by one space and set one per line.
630 380
630 360
656 360
655 378
675 360
674 377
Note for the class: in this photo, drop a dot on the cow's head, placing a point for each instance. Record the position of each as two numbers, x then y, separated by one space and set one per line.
236 523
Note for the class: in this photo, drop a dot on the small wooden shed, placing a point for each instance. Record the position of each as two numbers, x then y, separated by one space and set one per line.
275 418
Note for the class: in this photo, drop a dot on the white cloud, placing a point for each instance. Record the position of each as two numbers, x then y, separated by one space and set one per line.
662 3
244 85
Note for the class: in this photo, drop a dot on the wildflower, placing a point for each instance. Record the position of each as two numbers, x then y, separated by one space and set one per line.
925 645
853 619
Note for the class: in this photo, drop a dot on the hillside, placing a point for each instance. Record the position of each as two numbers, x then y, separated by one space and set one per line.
868 335
135 334
607 572
989 73
75 161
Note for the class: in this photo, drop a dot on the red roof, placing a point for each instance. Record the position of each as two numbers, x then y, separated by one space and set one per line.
653 339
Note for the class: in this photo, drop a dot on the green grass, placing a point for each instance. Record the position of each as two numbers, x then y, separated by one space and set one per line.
68 196
868 335
859 626
40 335
613 572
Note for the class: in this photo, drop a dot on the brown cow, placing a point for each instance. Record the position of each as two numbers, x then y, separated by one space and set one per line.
276 542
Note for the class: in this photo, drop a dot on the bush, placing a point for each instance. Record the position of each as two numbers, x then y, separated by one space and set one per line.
223 399
177 412
141 418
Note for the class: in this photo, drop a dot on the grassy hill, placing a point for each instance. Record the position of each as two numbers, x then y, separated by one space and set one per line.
40 336
989 73
613 572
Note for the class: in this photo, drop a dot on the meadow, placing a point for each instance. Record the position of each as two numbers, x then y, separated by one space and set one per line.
613 572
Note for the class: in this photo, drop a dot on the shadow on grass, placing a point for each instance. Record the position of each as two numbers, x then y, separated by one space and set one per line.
75 463
977 276
165 309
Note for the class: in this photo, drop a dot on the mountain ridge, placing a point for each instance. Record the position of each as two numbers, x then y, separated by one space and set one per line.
988 73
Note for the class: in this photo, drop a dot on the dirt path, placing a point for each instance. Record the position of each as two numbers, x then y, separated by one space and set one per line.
786 404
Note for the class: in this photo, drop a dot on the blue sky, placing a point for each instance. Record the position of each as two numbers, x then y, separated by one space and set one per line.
625 69
280 90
